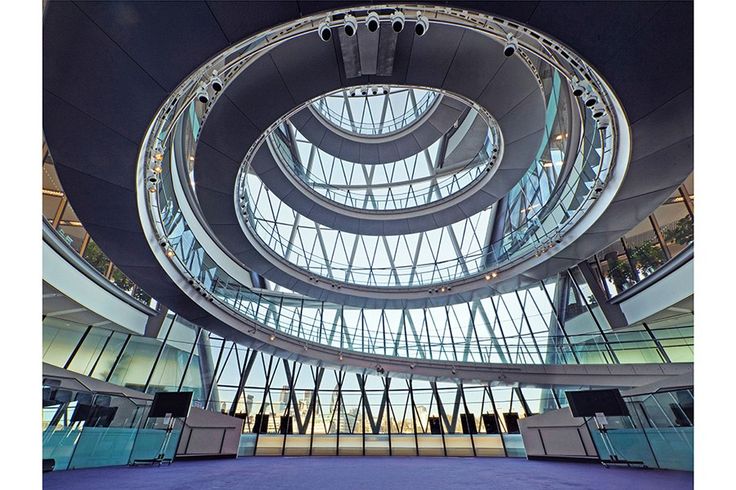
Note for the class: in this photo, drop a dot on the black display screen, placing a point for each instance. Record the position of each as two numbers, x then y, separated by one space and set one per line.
588 403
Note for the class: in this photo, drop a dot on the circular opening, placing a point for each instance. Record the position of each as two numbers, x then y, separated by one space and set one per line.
397 26
419 29
509 51
349 30
373 25
326 34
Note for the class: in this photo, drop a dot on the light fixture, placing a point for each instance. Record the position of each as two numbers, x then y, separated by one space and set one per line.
216 82
547 164
157 169
324 31
511 45
494 274
454 371
372 22
152 189
158 156
202 95
590 99
340 356
397 20
422 25
578 88
443 289
350 24
191 158
272 337
604 122
412 366
169 252
488 277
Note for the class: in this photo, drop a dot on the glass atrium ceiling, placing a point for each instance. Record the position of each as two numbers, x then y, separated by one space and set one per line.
375 110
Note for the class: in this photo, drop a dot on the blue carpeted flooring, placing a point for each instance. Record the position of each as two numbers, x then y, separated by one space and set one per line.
354 473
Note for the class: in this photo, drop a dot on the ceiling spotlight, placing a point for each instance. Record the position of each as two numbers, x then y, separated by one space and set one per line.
152 189
324 31
374 90
511 45
547 164
203 96
422 25
453 370
443 289
169 252
340 356
412 366
364 91
488 277
590 99
372 22
604 122
216 82
494 274
598 111
397 21
157 169
272 337
350 25
158 156
306 347
578 88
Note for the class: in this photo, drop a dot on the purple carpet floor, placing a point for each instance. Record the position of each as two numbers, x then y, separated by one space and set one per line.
355 473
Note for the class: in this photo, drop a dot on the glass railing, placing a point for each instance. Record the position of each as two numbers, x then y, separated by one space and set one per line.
326 323
62 219
658 433
402 194
349 113
645 249
535 235
360 329
87 429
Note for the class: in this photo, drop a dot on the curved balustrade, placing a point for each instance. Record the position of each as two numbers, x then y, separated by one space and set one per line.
538 232
428 187
544 223
376 332
338 111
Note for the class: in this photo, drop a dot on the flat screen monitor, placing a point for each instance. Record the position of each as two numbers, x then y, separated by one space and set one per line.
175 404
589 402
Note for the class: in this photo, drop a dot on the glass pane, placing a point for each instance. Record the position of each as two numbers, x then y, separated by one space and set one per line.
121 280
111 352
59 340
89 351
96 258
675 223
50 205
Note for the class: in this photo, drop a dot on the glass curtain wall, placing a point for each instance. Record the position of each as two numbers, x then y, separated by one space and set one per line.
648 246
61 217
291 408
